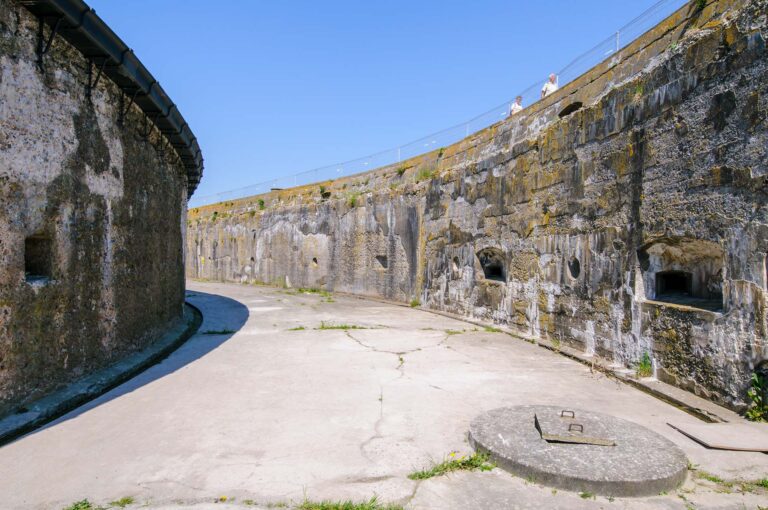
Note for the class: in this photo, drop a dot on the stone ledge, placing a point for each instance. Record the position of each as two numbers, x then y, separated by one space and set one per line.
60 402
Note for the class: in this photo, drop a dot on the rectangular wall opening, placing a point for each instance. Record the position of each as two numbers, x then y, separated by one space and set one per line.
673 283
38 255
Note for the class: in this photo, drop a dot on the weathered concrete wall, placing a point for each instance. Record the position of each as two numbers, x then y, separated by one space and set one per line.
582 222
99 207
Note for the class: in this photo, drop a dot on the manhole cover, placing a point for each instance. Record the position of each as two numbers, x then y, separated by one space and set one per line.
605 455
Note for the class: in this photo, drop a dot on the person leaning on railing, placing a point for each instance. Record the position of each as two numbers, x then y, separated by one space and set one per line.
549 86
516 106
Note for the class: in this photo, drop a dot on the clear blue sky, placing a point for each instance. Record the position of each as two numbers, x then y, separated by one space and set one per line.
272 88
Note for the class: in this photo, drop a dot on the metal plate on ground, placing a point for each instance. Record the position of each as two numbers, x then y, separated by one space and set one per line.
747 437
565 426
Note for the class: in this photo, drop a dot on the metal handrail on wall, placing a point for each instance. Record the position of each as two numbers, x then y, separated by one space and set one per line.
604 49
107 54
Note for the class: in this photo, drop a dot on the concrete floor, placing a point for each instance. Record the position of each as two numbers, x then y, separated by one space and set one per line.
272 415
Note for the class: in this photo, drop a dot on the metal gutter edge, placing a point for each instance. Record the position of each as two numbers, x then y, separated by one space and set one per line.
80 26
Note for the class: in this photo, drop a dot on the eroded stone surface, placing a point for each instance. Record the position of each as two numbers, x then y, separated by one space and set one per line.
107 205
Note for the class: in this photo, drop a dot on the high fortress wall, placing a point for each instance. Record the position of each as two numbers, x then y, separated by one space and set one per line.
96 165
624 215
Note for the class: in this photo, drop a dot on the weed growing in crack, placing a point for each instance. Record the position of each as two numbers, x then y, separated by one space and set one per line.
728 486
298 328
450 332
344 327
313 290
415 302
122 502
491 329
371 504
587 495
453 463
426 174
709 477
82 505
758 409
645 367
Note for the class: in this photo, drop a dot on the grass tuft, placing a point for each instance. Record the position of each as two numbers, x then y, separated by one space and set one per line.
371 504
83 505
645 367
491 329
344 327
122 502
312 290
455 463
415 302
758 409
710 477
298 328
426 174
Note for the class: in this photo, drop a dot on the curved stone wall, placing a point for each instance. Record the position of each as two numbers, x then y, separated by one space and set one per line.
633 226
92 216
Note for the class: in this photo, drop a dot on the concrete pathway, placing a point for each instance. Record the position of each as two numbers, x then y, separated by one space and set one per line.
270 413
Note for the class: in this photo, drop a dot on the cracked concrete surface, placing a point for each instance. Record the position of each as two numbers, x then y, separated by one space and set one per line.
272 415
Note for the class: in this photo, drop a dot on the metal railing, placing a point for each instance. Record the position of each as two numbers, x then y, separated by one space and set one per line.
575 68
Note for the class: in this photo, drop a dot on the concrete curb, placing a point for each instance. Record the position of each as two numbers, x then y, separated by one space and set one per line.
57 404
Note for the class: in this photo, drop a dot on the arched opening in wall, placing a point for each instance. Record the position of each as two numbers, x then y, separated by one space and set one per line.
38 258
314 261
492 262
683 271
574 267
382 261
570 109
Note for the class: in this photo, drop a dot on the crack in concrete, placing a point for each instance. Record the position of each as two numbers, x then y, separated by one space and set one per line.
377 432
416 487
401 370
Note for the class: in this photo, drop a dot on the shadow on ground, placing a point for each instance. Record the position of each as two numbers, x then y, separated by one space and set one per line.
222 318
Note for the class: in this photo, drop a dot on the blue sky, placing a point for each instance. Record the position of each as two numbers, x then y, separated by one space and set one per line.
275 88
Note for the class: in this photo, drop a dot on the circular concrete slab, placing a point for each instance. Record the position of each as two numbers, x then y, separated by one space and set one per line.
642 463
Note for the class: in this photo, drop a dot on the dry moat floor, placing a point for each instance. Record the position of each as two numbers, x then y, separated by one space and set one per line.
275 401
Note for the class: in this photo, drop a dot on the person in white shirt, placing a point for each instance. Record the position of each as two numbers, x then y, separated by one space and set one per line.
516 106
550 86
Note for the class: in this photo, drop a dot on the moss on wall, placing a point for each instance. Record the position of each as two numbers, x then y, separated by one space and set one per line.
110 204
